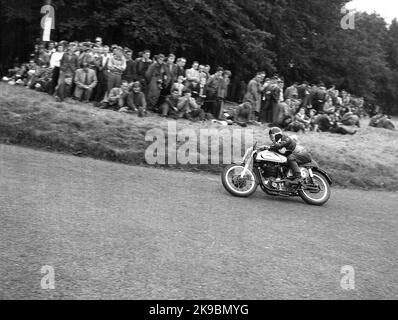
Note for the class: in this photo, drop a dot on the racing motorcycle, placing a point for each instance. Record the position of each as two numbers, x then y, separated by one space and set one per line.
270 170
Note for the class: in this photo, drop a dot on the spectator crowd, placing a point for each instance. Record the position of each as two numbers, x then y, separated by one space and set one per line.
111 78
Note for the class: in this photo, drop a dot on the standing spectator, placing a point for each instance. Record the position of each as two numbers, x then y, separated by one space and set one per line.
181 62
129 74
101 63
55 64
304 94
223 91
202 72
193 73
86 81
51 48
291 92
276 93
116 67
142 65
207 71
98 42
68 65
154 76
266 103
253 94
86 55
213 85
170 73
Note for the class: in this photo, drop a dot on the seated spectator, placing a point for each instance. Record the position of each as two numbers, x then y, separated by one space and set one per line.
312 118
382 121
242 114
300 123
322 123
179 85
188 108
41 80
44 58
64 89
194 87
169 108
351 119
136 101
117 98
318 97
328 106
85 80
304 94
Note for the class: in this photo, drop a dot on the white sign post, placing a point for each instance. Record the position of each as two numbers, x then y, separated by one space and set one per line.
48 21
47 29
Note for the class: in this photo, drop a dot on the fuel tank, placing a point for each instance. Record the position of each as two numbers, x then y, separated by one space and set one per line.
271 157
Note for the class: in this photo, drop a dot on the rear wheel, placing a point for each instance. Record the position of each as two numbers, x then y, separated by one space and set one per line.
237 186
320 190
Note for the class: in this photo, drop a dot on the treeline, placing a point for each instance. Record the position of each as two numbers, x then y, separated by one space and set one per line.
301 40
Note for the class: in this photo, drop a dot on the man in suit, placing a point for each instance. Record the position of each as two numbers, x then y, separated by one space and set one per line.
85 80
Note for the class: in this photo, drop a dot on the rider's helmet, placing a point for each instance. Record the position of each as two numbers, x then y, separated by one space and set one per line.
275 134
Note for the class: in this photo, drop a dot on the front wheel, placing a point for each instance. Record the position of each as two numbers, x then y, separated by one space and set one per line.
321 192
237 186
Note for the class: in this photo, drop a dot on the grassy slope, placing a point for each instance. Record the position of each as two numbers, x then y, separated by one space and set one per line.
366 160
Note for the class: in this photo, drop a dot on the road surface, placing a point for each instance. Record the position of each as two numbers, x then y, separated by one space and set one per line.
112 231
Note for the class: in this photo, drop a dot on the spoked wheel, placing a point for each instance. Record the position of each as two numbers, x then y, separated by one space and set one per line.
235 184
318 192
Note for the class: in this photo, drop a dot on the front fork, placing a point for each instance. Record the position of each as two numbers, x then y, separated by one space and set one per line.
248 163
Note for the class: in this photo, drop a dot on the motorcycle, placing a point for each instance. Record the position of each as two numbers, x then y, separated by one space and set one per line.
270 171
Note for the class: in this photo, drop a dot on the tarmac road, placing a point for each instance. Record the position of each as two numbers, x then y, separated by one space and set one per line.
112 231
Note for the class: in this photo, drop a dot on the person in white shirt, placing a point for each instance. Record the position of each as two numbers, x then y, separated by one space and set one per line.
55 64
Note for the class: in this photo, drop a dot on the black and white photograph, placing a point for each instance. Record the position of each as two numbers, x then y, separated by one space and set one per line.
211 151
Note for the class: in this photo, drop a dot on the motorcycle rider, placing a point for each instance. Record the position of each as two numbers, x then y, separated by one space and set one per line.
287 146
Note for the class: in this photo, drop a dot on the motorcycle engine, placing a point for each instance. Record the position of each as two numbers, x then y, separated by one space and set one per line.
270 171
